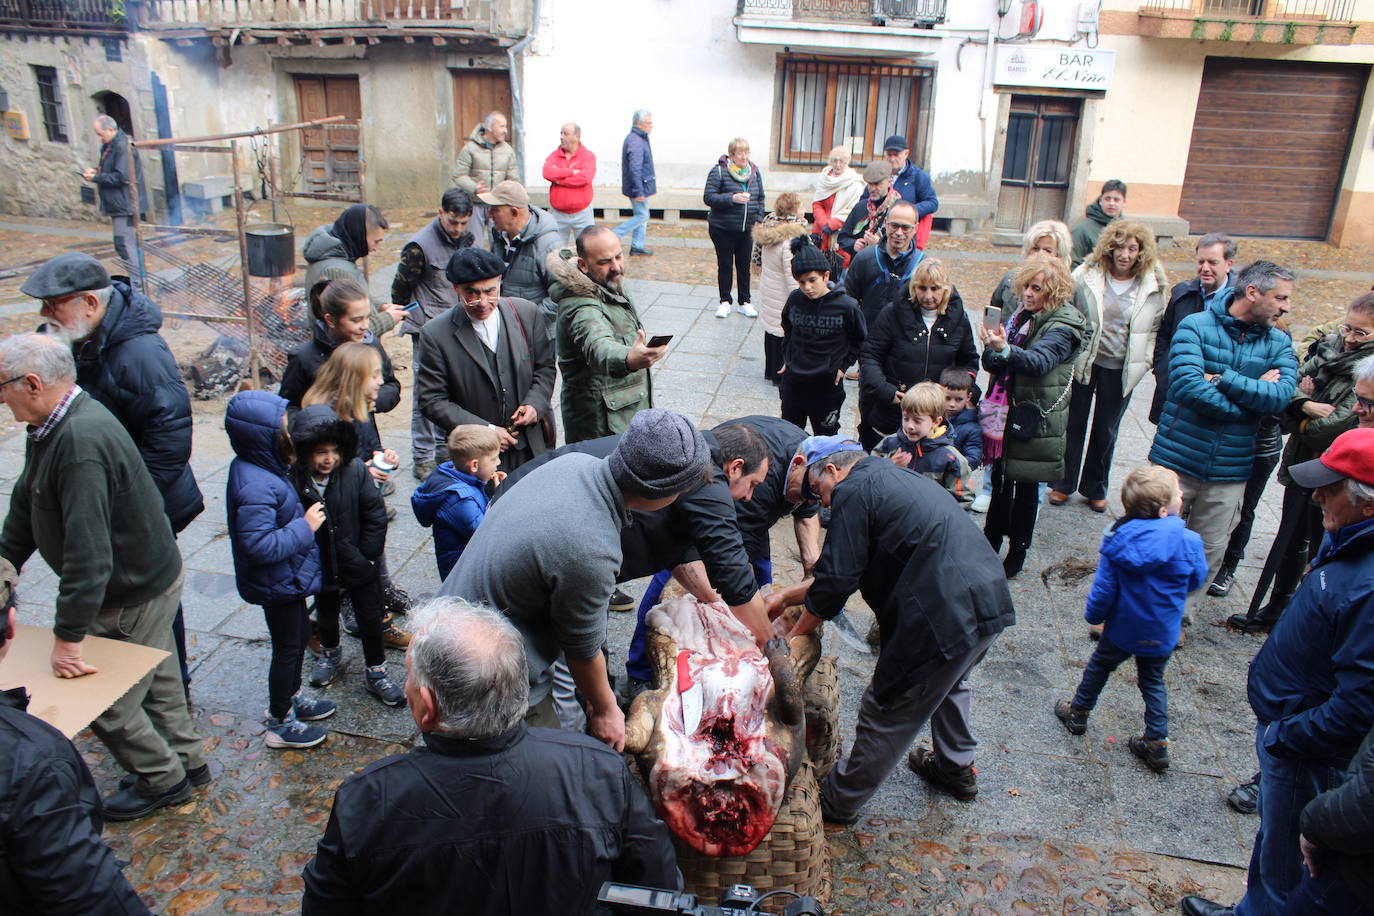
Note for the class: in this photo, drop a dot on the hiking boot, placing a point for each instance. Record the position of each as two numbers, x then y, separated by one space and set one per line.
130 802
1074 719
394 637
832 816
293 733
312 709
422 469
1154 753
347 619
396 600
621 601
328 667
198 776
381 686
961 782
1245 797
1221 585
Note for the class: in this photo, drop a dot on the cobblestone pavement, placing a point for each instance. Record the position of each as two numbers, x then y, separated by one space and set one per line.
1062 824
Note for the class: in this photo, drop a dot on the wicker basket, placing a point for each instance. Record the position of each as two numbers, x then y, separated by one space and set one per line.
821 694
793 856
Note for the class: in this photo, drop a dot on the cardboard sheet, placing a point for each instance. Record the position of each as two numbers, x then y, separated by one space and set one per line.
70 704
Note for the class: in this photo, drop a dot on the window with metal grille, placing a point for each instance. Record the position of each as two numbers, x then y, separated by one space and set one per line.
50 100
857 105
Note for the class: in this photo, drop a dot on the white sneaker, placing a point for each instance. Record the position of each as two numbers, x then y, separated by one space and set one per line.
748 310
724 310
981 503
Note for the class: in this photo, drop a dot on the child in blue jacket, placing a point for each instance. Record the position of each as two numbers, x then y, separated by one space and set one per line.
453 499
923 444
276 562
1150 562
961 414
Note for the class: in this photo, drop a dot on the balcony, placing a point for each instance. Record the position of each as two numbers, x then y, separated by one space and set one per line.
74 17
290 21
1288 22
918 13
876 26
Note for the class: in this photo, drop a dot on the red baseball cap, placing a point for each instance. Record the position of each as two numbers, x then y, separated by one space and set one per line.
1351 456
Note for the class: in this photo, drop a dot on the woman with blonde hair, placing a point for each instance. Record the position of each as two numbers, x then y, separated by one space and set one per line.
912 340
838 189
734 192
348 382
1121 289
773 236
1025 412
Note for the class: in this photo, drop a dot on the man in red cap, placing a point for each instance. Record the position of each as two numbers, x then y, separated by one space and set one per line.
1312 684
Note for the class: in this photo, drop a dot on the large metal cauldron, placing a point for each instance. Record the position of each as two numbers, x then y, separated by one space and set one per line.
271 249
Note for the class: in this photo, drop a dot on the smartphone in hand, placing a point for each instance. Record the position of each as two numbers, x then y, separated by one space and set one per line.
659 340
992 316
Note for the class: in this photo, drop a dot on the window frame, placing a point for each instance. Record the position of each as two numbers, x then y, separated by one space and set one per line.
916 129
50 103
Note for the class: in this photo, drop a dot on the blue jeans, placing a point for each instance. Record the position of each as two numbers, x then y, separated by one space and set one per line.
637 223
1276 869
1149 671
637 658
1324 896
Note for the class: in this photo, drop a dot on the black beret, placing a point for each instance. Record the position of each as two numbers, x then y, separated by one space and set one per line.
65 274
471 265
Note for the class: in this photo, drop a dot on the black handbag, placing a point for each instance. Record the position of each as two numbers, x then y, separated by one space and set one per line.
1024 419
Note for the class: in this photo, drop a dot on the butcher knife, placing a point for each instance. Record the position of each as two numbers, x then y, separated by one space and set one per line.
845 627
689 692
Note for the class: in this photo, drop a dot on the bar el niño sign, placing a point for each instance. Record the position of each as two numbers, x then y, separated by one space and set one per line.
1061 68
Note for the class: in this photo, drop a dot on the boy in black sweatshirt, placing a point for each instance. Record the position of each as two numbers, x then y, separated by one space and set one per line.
822 329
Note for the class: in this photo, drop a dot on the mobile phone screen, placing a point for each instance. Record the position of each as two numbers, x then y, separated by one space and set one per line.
659 340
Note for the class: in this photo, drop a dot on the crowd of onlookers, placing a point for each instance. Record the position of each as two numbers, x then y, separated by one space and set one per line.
1005 418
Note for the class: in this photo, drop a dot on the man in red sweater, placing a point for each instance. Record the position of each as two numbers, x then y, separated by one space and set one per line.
570 170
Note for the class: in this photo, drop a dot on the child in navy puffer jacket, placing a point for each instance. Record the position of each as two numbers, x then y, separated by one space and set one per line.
453 499
276 562
1150 562
961 414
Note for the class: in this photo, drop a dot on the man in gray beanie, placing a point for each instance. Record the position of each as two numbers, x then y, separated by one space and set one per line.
547 554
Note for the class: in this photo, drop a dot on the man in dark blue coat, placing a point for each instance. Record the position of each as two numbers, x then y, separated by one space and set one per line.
637 180
912 183
111 180
1312 684
123 362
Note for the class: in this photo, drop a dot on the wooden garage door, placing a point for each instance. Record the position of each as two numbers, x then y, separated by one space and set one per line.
1269 142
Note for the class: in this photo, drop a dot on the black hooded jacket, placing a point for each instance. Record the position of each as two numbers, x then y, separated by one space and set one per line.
353 535
126 366
900 352
304 364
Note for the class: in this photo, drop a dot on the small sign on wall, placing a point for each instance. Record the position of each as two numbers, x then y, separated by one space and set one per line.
1058 68
16 125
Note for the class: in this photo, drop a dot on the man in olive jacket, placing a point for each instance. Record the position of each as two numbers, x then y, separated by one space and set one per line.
602 352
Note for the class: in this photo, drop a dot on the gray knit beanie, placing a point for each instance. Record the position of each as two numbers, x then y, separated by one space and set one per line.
661 454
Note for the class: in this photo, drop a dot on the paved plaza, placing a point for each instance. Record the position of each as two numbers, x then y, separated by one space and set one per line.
1061 824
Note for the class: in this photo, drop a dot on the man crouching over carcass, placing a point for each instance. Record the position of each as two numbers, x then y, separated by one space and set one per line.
895 535
465 822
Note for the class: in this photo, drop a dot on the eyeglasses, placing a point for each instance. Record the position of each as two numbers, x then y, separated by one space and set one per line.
1366 403
483 297
11 381
900 227
1357 333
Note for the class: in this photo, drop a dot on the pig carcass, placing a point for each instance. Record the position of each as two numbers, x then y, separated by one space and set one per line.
719 785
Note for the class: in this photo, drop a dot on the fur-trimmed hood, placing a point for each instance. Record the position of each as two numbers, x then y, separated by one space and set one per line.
570 282
773 230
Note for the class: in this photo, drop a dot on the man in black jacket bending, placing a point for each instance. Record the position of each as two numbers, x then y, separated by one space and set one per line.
896 536
489 815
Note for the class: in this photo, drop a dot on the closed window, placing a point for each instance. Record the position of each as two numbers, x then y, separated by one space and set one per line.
854 104
50 100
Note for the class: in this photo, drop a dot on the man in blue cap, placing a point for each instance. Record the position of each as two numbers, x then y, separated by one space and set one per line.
940 598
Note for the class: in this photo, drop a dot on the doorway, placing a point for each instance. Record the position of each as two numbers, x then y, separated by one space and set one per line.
117 107
329 155
477 93
1042 133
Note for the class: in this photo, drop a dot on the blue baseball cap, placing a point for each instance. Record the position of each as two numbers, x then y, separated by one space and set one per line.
819 448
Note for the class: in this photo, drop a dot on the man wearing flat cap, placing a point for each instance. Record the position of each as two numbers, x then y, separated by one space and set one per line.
123 362
488 360
524 237
1311 685
895 540
547 554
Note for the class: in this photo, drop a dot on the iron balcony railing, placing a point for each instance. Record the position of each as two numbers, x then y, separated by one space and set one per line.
313 13
86 16
919 12
1316 10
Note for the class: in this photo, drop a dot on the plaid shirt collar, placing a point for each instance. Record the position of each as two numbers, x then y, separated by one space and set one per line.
39 433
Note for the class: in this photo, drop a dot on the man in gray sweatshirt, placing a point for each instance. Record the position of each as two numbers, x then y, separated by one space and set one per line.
547 554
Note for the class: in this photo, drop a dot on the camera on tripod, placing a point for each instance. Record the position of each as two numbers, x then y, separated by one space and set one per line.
739 900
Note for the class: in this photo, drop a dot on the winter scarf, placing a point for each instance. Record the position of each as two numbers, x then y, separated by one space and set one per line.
846 188
740 173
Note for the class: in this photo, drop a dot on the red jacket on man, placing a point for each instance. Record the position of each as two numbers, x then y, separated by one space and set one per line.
569 193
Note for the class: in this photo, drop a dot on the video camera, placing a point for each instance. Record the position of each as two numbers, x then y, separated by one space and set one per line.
739 900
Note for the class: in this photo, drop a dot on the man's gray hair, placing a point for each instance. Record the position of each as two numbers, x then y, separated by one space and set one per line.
1358 493
641 115
37 354
474 661
1218 238
491 118
1263 276
1364 370
105 122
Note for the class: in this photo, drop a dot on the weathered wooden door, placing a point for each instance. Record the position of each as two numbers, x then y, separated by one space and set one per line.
330 155
477 93
1041 135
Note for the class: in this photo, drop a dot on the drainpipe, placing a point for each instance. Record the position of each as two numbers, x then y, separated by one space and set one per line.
517 101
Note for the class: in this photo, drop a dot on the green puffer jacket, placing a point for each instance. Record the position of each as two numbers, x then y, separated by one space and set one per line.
482 160
1332 369
595 330
1041 371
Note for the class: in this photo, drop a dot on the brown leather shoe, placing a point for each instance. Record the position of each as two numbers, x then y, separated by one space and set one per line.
1057 499
1097 505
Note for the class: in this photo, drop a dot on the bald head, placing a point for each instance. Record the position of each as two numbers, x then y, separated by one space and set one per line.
570 137
601 257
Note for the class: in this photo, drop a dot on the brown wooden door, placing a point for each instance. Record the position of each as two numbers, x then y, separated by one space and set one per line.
477 93
1041 137
329 155
1269 144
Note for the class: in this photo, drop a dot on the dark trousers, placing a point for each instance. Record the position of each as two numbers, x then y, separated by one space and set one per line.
1326 895
289 625
125 240
817 400
367 608
1014 508
733 250
772 357
1105 388
1306 518
1254 489
1149 675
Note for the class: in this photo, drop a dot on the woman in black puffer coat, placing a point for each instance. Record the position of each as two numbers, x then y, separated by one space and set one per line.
734 192
912 340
